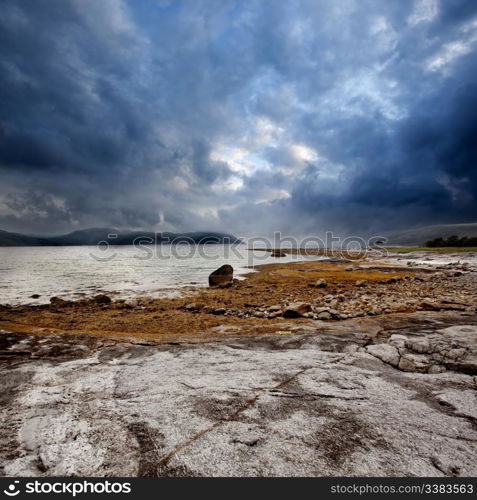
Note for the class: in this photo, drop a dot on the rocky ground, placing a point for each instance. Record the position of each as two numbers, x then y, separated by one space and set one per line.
262 383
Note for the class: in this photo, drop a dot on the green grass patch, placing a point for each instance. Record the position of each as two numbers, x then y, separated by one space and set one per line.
430 249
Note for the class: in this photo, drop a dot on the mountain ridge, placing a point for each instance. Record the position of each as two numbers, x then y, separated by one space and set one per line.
93 236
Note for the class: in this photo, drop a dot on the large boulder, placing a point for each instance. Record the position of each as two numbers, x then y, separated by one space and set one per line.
222 276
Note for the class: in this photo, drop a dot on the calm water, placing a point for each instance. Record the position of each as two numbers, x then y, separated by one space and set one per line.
123 271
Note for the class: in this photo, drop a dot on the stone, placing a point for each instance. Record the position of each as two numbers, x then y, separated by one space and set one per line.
35 296
398 340
334 313
452 306
361 283
428 305
385 352
219 311
419 345
192 307
297 309
319 310
102 299
414 363
222 276
56 301
278 253
321 283
436 369
324 316
393 279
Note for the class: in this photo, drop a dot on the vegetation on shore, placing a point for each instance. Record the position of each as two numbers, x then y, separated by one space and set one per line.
452 241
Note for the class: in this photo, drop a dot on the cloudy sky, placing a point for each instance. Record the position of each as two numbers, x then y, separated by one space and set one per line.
248 116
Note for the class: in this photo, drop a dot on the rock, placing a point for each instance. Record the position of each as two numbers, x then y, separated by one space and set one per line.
419 345
334 313
393 279
361 283
102 299
319 394
56 301
219 311
278 253
319 310
134 304
349 268
324 316
275 308
419 363
321 283
398 340
449 306
297 309
385 352
435 369
192 307
427 305
35 296
449 349
222 276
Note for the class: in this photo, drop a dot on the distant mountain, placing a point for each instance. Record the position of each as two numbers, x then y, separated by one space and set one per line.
114 237
20 240
419 236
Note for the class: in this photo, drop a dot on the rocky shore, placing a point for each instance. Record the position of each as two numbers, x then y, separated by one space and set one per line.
341 367
325 290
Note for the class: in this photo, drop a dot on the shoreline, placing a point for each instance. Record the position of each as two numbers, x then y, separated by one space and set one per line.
334 289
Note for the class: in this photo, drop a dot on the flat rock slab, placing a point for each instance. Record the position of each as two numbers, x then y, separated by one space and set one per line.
311 403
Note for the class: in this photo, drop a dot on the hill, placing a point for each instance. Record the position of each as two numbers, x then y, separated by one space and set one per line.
421 235
113 236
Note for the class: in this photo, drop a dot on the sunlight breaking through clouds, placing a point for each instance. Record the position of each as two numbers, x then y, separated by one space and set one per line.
245 116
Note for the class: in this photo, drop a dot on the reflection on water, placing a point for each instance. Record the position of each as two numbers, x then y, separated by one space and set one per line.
122 271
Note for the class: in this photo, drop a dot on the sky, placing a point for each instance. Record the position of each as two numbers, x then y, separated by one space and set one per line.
244 116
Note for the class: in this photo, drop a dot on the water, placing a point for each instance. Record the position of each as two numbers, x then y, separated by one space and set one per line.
123 271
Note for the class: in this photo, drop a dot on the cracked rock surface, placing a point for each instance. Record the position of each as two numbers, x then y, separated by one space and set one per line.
453 348
374 397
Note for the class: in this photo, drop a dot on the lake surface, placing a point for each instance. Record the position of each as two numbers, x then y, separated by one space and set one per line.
120 271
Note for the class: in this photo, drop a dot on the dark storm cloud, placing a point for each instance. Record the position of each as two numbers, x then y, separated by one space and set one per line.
249 116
